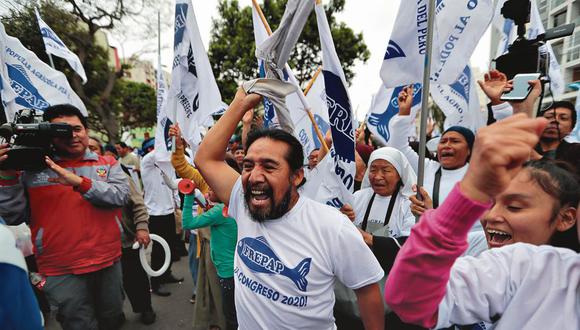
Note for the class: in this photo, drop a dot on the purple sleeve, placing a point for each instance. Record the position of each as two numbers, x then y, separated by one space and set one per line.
416 284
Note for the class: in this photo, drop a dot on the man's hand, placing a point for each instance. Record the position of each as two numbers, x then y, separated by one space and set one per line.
174 130
418 207
498 154
527 106
4 148
246 101
405 100
347 210
494 84
65 177
142 236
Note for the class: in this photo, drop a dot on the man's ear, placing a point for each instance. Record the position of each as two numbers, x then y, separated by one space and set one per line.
297 177
566 219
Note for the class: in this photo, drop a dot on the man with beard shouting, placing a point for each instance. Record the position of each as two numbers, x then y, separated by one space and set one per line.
290 249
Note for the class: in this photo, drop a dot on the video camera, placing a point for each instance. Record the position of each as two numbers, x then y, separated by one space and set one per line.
30 140
524 55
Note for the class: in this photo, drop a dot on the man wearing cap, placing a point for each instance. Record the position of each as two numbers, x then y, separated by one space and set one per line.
161 202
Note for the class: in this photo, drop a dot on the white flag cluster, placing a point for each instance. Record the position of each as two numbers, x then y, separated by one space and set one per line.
162 139
28 83
458 27
508 34
193 96
56 47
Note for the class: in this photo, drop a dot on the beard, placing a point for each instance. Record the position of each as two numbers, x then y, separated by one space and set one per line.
274 211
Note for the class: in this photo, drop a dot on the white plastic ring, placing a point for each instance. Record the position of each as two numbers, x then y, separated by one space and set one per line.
143 257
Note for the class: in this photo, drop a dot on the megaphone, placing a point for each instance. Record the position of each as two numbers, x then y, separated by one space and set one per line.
186 186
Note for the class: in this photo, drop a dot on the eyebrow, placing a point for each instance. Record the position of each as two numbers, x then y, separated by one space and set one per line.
517 196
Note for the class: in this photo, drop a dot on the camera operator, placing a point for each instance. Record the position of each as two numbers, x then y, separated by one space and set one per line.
74 209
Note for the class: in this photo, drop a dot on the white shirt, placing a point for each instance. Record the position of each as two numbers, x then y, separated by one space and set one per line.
401 218
159 199
525 286
285 268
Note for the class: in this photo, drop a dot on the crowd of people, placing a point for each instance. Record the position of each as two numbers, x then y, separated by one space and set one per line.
490 241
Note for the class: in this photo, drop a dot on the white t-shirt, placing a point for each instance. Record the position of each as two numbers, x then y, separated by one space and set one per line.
285 269
159 198
401 218
519 286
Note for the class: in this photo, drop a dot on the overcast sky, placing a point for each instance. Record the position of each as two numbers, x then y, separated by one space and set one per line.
374 18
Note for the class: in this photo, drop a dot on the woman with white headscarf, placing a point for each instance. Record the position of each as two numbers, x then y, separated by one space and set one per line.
382 207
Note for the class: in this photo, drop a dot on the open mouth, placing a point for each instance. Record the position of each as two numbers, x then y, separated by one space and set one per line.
498 237
259 197
447 153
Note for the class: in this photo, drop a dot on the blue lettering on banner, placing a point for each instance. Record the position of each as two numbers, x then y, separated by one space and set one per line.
304 139
267 292
339 115
422 26
180 21
47 33
345 176
269 112
257 255
454 37
335 202
393 51
381 120
27 95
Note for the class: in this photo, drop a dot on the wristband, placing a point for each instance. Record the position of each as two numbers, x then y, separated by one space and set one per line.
8 177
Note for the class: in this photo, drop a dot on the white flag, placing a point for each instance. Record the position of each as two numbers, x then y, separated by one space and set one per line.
194 95
385 106
317 100
338 169
458 27
508 34
162 139
34 84
56 47
460 103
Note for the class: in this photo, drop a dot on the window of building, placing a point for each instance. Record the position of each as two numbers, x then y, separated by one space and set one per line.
559 19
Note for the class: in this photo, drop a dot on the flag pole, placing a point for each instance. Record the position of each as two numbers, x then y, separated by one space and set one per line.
301 94
425 98
312 80
51 61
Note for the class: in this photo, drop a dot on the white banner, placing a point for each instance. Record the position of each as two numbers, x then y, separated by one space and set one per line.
338 169
56 47
458 27
574 136
194 95
508 33
34 84
460 103
385 106
162 139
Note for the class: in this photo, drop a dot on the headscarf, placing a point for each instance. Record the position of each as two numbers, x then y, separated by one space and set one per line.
401 164
466 132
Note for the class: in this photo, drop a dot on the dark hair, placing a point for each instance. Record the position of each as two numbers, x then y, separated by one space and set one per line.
122 144
295 155
558 180
64 110
111 148
232 162
566 105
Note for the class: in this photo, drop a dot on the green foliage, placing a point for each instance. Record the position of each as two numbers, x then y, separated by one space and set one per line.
232 46
135 103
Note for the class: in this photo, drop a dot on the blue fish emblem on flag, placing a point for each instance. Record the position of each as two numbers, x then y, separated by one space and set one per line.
27 95
393 51
257 255
381 120
46 33
323 125
168 139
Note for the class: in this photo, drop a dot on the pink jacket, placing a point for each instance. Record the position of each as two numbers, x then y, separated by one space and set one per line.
416 284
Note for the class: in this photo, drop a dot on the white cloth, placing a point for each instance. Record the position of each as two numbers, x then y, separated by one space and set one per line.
401 219
285 269
10 253
502 110
401 164
159 199
530 287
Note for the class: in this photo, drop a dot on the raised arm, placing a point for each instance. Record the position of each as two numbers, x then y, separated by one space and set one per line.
180 164
210 157
416 285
